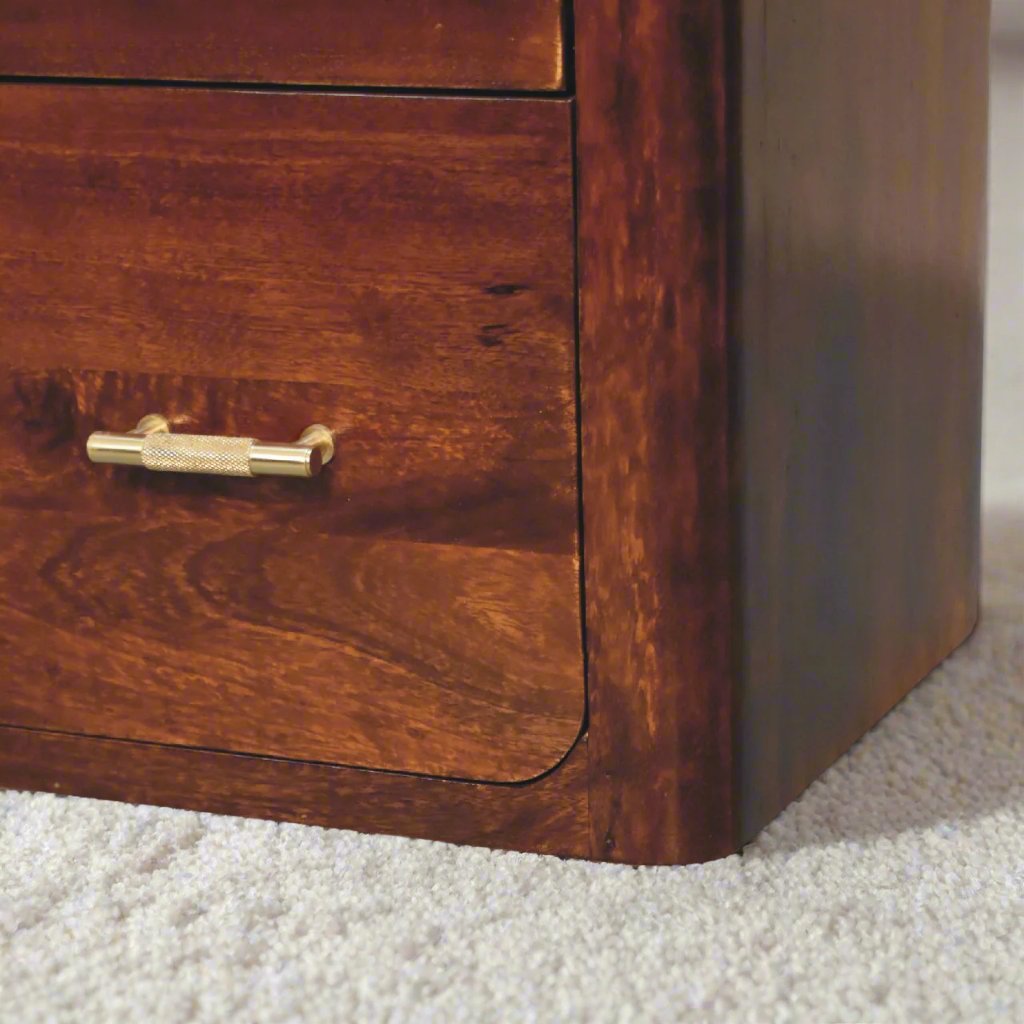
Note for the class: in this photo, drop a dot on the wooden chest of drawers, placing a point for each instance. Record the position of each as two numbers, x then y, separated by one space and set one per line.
647 336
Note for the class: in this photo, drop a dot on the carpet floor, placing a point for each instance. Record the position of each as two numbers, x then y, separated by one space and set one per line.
892 891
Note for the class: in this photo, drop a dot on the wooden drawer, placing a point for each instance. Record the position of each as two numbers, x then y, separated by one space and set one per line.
500 44
399 269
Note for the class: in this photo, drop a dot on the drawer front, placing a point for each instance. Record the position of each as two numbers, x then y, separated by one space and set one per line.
456 44
247 264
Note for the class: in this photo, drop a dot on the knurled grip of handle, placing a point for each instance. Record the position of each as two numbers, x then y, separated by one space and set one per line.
198 453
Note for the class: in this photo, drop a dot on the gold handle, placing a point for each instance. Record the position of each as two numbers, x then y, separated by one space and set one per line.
152 445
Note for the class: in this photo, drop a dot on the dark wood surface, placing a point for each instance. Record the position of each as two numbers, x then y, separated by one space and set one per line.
780 257
546 816
401 269
862 167
447 44
656 489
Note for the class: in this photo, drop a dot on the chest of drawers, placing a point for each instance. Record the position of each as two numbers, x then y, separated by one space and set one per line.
647 338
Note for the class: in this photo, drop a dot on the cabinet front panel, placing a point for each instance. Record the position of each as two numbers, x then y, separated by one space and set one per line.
247 264
447 44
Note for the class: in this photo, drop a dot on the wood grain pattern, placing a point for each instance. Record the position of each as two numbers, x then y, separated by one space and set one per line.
247 264
780 237
863 152
381 243
547 816
450 44
657 513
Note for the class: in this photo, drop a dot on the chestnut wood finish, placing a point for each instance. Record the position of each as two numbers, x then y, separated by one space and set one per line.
859 320
781 533
445 44
657 519
399 269
779 228
547 816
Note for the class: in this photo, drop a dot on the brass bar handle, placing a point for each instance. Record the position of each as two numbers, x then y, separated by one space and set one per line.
152 446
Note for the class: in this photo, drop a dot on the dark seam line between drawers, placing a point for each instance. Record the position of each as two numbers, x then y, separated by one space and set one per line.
578 386
275 88
246 755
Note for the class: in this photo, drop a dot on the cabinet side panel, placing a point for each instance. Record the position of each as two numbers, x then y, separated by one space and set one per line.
863 156
657 526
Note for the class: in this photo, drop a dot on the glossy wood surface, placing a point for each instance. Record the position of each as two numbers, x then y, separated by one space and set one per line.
656 489
446 44
547 816
247 264
862 157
